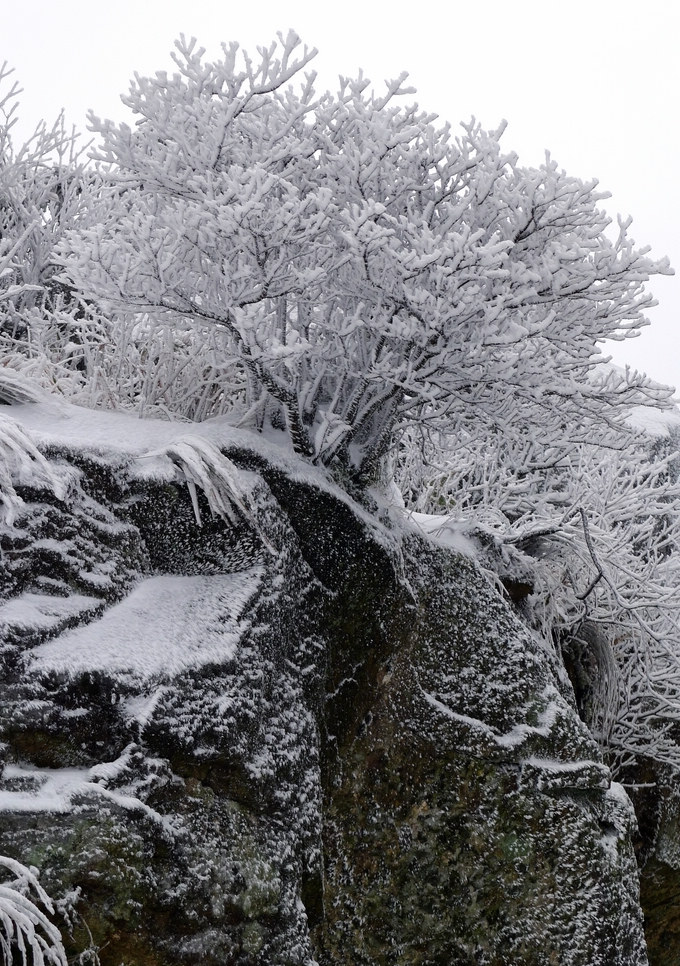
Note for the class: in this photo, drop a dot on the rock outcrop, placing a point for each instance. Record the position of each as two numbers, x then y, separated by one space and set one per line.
308 734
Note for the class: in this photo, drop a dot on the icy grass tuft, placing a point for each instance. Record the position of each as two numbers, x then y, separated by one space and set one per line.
21 463
26 934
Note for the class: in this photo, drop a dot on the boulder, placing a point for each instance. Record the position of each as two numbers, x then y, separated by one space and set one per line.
296 732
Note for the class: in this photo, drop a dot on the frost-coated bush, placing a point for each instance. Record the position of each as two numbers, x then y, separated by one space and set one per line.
45 190
591 533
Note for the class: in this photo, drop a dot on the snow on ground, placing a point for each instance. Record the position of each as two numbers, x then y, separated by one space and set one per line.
54 789
105 433
55 422
121 436
166 625
44 611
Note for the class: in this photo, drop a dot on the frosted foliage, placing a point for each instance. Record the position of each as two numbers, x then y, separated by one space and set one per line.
591 533
365 270
44 191
141 364
25 930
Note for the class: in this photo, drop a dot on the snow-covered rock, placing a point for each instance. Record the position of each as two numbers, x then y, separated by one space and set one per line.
247 720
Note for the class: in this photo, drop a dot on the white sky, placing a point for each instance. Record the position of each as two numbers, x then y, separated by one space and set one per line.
597 82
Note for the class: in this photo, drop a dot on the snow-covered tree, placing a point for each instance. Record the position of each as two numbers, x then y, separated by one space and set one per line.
46 328
367 272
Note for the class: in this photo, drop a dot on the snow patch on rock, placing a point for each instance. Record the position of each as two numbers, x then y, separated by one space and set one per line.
167 625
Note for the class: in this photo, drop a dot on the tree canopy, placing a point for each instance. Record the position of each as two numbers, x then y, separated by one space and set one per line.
368 272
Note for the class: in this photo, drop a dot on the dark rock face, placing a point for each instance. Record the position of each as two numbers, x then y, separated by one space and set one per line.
658 805
473 822
346 751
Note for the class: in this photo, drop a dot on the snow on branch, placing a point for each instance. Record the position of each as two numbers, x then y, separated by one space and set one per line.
368 271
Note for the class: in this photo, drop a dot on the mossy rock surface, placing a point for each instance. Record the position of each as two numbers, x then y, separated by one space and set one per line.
471 820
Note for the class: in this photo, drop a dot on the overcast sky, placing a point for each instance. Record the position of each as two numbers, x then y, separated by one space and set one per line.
597 82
